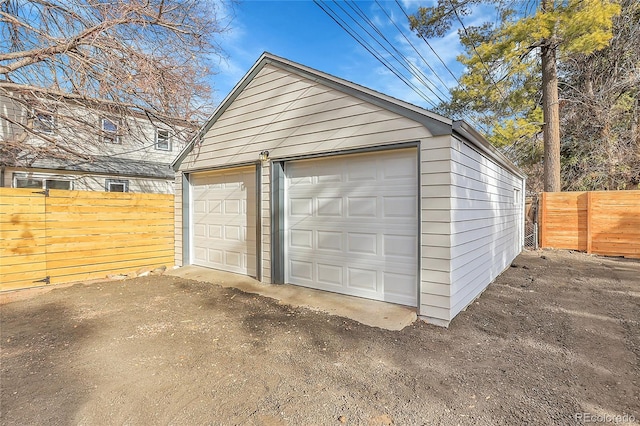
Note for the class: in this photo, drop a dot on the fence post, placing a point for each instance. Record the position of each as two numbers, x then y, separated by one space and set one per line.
542 213
589 224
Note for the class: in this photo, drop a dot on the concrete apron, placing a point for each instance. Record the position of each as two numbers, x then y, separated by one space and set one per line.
369 312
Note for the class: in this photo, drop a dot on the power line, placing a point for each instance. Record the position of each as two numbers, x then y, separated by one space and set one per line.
379 38
414 48
410 67
429 44
436 74
455 11
402 63
345 26
491 80
448 69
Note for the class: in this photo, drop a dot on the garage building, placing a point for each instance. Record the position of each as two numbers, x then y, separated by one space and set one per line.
303 178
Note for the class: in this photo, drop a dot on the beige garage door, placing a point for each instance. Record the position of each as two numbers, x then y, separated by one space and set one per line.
224 220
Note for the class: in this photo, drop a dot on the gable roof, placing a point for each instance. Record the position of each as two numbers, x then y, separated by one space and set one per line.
436 124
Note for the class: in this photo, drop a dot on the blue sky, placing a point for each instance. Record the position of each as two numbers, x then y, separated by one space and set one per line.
302 32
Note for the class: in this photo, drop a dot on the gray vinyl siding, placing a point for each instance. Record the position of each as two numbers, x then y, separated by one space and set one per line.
435 179
471 228
265 221
486 222
289 115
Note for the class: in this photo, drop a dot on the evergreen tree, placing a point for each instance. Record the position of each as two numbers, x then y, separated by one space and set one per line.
511 66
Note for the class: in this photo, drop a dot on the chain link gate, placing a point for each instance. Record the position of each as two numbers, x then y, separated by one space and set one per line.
531 222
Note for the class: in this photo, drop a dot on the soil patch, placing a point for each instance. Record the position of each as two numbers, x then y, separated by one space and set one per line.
556 335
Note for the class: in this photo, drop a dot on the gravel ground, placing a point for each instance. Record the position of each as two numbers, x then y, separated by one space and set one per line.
555 336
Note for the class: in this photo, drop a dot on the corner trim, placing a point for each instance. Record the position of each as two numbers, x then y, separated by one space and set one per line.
186 219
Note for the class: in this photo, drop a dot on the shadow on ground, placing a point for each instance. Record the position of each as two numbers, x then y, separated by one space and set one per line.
556 335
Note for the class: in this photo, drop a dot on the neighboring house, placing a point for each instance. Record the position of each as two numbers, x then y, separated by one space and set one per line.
117 155
300 177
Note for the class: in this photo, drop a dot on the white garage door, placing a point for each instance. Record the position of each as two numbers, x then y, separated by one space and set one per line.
224 220
352 225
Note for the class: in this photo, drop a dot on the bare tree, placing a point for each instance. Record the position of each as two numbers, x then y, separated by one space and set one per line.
601 111
141 58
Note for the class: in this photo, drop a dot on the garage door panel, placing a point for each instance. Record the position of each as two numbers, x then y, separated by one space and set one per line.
215 256
232 233
400 246
301 270
199 230
400 206
400 285
199 254
329 240
352 225
329 206
232 207
362 279
199 206
214 206
359 243
215 231
396 265
399 168
224 220
300 207
233 258
329 274
362 206
301 238
358 174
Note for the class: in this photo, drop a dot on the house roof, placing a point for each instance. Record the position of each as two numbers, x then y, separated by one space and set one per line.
107 165
436 124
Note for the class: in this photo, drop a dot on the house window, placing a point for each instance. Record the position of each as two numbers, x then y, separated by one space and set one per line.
41 182
57 184
110 131
44 122
27 183
116 185
162 140
516 196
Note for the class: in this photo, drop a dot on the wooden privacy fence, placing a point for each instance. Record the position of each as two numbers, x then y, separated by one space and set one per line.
64 236
599 222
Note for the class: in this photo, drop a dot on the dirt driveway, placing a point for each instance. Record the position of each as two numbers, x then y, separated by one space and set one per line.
557 334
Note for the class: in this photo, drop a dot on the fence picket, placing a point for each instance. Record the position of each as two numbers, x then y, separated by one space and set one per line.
75 235
599 222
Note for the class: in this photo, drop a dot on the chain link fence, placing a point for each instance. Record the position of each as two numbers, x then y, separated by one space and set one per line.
531 235
531 222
